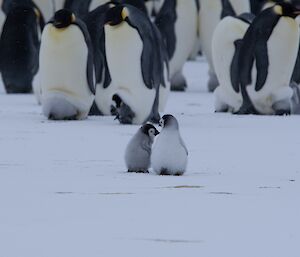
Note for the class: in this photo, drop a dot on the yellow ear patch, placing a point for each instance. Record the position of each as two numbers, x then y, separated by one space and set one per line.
73 19
278 9
124 13
37 13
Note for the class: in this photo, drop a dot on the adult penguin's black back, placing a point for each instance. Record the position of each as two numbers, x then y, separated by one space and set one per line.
19 49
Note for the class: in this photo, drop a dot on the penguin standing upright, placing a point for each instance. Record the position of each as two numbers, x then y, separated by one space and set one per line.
136 62
226 41
66 68
211 12
177 22
139 148
264 61
169 154
19 48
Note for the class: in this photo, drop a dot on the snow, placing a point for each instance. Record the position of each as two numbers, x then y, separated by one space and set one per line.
64 190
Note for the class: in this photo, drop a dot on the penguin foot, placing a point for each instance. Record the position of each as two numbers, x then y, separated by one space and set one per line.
246 109
178 83
54 117
94 111
138 171
282 112
178 88
213 82
180 173
164 172
283 107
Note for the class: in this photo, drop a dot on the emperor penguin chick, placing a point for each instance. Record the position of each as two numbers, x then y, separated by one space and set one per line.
169 155
138 151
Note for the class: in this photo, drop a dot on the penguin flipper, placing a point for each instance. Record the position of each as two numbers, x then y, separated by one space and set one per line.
227 9
165 21
262 65
94 111
234 67
90 58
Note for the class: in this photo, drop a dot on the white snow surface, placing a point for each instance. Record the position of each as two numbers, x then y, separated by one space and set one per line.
64 190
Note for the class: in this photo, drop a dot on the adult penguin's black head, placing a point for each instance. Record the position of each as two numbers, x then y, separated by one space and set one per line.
63 18
116 15
286 9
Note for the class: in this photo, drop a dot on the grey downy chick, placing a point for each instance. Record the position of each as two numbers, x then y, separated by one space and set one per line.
139 148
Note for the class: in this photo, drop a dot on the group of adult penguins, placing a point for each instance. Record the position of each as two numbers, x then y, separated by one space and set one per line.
121 58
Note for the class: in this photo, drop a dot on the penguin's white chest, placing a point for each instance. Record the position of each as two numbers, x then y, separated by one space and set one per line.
123 52
63 64
168 153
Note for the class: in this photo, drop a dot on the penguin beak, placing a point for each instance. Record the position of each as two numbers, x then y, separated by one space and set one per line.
156 133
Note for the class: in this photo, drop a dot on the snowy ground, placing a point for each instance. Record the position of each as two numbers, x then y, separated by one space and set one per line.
64 191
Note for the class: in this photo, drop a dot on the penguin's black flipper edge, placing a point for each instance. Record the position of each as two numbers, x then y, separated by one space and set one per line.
262 65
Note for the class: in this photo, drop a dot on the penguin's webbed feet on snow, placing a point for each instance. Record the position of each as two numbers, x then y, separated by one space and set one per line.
246 110
282 107
138 171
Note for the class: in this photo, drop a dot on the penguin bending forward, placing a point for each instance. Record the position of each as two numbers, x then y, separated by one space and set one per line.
211 13
260 71
264 60
66 68
136 61
177 21
225 45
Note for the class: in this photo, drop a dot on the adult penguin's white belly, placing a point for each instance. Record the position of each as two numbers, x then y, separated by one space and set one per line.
63 68
123 52
185 30
283 46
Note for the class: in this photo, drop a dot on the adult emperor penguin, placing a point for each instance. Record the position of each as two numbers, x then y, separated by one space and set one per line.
66 67
139 148
226 41
262 69
169 154
137 63
211 12
177 22
19 48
